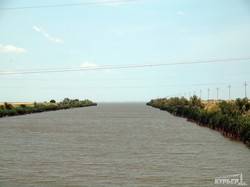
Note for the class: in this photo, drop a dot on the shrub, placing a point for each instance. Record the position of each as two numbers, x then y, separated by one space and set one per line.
52 101
230 117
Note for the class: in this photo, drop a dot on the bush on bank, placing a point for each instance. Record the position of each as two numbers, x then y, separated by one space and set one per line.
230 117
10 110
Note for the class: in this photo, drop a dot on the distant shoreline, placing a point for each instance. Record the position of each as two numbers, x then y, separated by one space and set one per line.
23 108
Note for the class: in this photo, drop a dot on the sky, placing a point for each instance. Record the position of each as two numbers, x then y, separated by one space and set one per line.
98 33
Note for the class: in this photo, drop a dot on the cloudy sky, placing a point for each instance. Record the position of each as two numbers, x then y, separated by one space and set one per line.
43 35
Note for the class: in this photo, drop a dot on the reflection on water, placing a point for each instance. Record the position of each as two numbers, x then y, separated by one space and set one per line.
115 145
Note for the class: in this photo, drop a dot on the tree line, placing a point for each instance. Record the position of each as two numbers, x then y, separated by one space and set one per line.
232 118
7 109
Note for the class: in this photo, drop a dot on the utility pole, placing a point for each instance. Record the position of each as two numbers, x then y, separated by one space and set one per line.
229 94
200 93
208 94
245 89
217 93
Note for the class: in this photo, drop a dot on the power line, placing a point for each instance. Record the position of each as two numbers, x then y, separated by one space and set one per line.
56 70
65 5
245 89
111 87
217 89
111 79
229 92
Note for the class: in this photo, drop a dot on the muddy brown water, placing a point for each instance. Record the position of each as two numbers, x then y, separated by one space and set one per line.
118 144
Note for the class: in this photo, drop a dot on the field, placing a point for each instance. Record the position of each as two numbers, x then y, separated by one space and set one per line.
19 103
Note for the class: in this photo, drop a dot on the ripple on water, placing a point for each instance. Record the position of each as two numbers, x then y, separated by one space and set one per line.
115 145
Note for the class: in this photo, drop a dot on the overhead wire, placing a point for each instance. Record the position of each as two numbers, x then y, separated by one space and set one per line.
65 5
120 87
56 70
115 79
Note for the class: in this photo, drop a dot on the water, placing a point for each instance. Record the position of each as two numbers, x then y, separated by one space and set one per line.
115 145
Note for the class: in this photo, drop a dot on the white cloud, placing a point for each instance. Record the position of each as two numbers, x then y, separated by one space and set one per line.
88 65
46 35
36 29
181 13
108 71
10 72
11 49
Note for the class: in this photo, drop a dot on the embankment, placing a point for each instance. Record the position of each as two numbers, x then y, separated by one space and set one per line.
8 109
231 118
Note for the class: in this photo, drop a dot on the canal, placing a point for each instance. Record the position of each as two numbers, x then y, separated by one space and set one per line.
115 144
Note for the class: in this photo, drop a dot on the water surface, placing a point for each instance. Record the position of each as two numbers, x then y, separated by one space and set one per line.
115 145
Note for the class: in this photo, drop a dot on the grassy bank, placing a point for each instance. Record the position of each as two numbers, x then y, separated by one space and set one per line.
8 109
232 118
